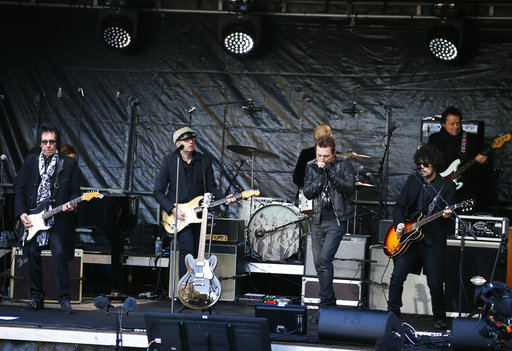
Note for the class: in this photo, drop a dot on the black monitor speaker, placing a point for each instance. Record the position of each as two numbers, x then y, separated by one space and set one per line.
198 332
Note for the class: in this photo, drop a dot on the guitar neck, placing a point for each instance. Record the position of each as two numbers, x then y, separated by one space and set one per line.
58 209
428 219
217 203
202 236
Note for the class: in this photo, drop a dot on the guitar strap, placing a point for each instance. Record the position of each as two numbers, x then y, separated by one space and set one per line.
464 143
56 185
432 204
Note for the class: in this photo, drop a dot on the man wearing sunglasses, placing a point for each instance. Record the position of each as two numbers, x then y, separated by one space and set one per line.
428 193
48 179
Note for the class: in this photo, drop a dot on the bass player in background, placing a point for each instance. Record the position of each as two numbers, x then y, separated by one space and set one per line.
455 144
196 178
47 176
419 195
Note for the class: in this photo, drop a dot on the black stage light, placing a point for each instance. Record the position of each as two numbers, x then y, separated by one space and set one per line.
240 34
445 40
118 28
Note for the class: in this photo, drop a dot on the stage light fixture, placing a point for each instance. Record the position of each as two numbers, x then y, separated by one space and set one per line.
118 28
239 6
240 34
445 40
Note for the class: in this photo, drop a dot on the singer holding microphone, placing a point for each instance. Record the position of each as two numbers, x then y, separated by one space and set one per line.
195 178
329 182
425 191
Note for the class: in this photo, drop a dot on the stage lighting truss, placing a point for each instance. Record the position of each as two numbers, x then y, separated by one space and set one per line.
118 28
240 34
445 41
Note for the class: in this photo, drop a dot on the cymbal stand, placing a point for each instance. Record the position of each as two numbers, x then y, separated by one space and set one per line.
226 105
355 199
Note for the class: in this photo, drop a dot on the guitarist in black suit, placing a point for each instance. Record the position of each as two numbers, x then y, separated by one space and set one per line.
47 176
196 178
419 195
455 144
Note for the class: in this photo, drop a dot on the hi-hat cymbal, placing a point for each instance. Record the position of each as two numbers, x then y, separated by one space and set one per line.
354 155
252 151
364 184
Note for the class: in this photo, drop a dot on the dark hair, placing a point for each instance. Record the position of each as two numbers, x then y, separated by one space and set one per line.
66 149
431 154
325 141
45 129
450 111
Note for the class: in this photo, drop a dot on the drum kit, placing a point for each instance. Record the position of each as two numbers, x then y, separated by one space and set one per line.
275 229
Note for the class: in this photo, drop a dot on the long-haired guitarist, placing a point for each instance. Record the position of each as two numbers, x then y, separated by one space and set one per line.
419 195
195 178
48 178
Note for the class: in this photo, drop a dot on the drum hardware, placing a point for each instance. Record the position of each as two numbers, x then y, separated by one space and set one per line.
261 233
305 205
285 222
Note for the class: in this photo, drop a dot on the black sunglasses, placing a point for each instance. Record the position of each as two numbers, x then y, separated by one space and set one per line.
424 164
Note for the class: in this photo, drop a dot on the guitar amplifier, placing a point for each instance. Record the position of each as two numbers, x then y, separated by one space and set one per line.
431 125
485 228
226 230
20 281
348 292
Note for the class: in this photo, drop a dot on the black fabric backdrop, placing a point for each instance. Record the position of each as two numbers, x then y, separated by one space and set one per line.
307 72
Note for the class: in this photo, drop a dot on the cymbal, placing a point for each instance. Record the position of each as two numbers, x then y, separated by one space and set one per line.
252 151
365 184
354 155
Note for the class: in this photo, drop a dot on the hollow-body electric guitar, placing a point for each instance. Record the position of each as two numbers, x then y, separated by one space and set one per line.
192 208
199 288
395 245
455 169
40 214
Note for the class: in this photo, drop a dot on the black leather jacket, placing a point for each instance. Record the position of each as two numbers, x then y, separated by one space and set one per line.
340 173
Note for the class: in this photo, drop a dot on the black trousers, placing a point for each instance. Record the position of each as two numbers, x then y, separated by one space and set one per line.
35 268
433 259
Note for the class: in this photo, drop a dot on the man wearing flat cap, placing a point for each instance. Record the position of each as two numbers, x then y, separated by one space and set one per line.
195 178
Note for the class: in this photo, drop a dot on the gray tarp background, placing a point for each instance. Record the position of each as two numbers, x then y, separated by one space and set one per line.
309 70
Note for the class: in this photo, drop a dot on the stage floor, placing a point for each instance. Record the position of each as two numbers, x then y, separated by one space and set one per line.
96 330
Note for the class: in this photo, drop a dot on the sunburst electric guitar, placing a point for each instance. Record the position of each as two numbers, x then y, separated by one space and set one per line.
455 170
199 288
192 208
395 245
41 214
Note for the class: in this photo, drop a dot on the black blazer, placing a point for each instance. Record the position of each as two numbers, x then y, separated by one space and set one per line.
165 182
64 187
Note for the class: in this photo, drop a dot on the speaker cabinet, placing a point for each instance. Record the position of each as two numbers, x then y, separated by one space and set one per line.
348 292
415 296
229 266
466 335
355 325
478 259
348 261
384 225
20 281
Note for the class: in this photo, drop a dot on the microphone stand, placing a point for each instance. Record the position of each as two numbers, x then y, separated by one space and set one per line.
174 251
232 182
384 167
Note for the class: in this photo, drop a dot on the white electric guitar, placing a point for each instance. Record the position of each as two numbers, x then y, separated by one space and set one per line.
41 213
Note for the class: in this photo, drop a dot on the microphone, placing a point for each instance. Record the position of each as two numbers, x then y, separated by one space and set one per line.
179 148
81 91
352 111
244 161
3 157
261 233
101 303
129 305
392 129
192 109
250 107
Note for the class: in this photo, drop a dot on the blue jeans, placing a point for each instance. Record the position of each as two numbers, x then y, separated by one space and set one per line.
325 240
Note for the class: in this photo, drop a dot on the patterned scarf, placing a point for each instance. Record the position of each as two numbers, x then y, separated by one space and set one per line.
46 170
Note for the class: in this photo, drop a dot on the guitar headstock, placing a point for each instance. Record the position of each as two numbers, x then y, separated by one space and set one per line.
466 205
91 195
207 199
249 193
500 140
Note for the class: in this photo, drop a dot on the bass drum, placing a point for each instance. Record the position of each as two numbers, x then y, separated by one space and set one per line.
248 207
274 231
